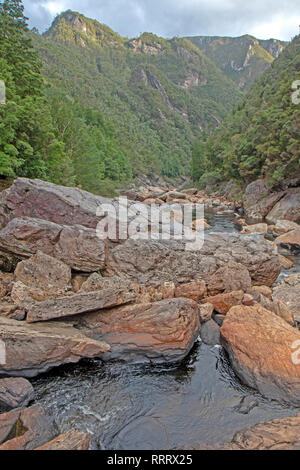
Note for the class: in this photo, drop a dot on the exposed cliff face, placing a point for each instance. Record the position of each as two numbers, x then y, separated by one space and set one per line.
243 59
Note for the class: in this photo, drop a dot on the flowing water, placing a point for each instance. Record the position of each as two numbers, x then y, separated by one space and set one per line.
135 407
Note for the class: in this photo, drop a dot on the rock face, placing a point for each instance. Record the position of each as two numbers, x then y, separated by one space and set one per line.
78 304
15 393
43 272
288 291
258 201
34 349
279 434
25 429
43 200
262 349
73 440
163 331
158 261
76 246
287 208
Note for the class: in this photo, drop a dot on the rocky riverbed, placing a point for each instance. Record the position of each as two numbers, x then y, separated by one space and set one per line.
179 346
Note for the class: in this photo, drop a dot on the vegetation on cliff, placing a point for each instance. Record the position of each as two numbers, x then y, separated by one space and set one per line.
261 138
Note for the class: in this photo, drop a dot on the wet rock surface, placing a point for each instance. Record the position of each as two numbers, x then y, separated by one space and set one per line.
15 393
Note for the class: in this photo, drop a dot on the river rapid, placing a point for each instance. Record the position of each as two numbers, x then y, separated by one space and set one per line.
136 407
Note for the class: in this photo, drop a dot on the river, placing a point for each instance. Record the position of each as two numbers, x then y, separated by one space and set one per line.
135 407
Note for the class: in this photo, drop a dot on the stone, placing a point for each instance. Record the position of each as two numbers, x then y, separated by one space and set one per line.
284 226
192 290
73 440
76 246
8 262
210 333
287 208
258 201
33 349
162 331
285 262
256 228
226 262
278 434
248 300
25 429
206 311
43 272
6 280
262 350
290 240
223 302
15 393
80 303
288 291
264 290
47 201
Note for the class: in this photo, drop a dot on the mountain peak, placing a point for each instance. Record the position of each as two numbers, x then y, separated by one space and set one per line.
71 26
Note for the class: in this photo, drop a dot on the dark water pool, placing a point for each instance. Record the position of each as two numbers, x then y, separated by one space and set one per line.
156 407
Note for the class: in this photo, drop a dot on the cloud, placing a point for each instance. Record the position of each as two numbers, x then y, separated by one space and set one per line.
168 18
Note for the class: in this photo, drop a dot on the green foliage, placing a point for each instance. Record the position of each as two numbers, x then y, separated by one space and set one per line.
28 145
262 136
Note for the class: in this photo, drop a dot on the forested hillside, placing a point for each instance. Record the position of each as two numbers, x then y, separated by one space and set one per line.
261 138
243 59
157 96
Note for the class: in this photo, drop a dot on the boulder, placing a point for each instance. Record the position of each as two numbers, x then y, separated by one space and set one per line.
206 311
264 290
262 349
76 246
162 331
284 226
210 333
256 228
192 290
15 393
43 272
6 280
29 350
73 440
226 262
290 240
80 303
258 201
278 307
287 208
285 262
223 302
279 434
288 291
25 429
42 200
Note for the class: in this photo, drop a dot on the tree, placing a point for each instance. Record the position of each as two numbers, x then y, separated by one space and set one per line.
28 145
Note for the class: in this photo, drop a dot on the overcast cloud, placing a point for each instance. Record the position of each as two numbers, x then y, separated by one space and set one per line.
261 18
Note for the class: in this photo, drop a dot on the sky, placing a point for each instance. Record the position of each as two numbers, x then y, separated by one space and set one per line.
263 19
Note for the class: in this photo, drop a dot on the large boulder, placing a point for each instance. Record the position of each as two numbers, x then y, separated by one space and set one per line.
279 434
28 350
47 201
73 440
288 291
290 240
287 208
79 303
262 351
76 246
15 392
44 272
25 429
284 226
258 201
242 257
163 331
